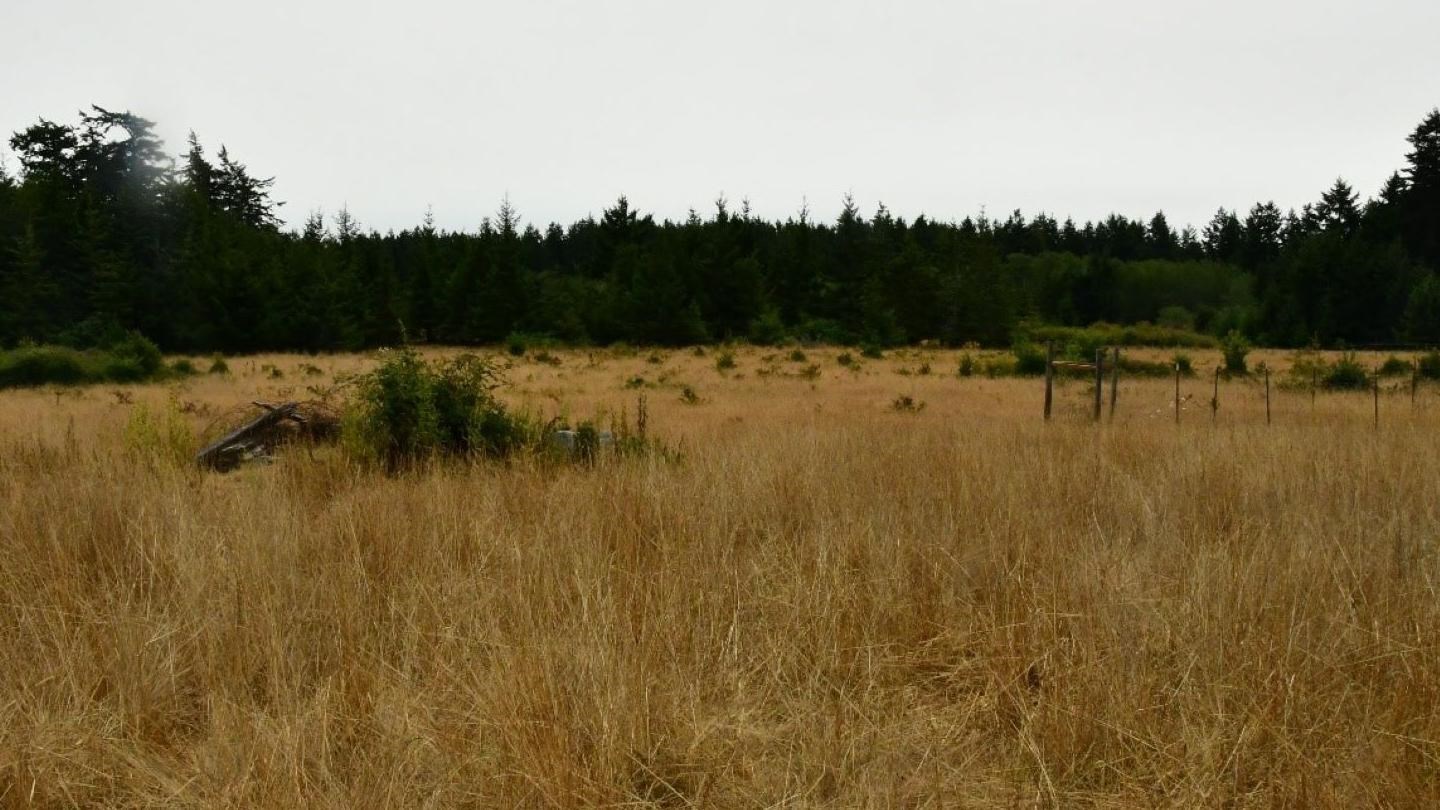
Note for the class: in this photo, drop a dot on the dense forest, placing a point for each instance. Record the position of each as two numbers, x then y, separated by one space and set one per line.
103 232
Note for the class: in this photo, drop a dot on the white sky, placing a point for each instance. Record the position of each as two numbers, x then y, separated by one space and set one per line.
1079 107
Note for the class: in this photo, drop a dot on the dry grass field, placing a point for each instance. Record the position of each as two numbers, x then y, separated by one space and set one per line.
825 602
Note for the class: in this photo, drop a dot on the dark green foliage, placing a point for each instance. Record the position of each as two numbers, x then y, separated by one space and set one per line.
1395 367
39 365
132 359
103 233
1429 365
409 410
1107 334
218 365
725 362
1182 361
870 351
1346 374
183 367
847 360
798 356
1235 349
1029 359
967 365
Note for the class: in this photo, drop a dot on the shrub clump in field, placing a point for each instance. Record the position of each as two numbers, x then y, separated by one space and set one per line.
1029 359
907 404
967 365
131 358
1347 374
847 360
725 362
1395 367
1235 348
1429 365
218 365
409 410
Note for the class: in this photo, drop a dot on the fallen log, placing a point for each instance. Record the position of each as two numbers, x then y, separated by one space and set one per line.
248 439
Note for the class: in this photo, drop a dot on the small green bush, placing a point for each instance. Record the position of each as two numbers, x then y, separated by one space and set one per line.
183 367
1029 359
967 365
871 351
1430 365
797 356
408 411
846 359
1395 367
1347 374
1183 362
725 362
40 365
218 365
1235 348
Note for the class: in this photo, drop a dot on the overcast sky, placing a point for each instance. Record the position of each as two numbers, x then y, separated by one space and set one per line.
1079 108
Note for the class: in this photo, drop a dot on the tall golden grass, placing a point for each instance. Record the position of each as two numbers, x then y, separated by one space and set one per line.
825 602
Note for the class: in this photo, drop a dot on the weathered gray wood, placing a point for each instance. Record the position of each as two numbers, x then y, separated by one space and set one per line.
1177 392
1049 376
1215 398
1099 380
1114 382
226 452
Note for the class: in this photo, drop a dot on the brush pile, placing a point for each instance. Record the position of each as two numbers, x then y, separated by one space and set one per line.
241 435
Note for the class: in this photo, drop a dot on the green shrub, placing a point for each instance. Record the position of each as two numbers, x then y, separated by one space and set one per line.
967 365
725 362
1235 348
871 351
767 329
846 359
1430 365
1029 359
218 365
40 365
1395 367
183 367
408 410
797 356
516 344
1109 334
1182 361
1347 374
1176 318
688 395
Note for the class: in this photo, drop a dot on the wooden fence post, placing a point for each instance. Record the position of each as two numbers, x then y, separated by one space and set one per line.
1099 380
1414 380
1177 392
1114 383
1267 395
1215 398
1049 375
1375 386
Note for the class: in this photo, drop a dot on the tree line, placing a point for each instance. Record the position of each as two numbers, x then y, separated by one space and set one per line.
103 232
